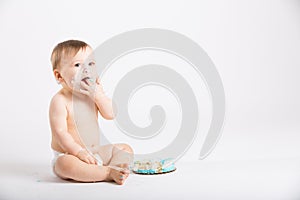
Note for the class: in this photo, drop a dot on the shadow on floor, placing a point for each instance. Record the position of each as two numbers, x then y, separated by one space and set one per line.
38 172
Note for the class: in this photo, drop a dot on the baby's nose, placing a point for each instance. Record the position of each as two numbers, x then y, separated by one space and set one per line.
86 70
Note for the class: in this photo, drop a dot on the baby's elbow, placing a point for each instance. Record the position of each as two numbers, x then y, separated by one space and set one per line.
58 131
109 116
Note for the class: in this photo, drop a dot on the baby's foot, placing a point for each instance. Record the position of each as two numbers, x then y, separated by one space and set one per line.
125 168
119 176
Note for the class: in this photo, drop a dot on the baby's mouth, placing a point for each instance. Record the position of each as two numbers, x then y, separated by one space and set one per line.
85 79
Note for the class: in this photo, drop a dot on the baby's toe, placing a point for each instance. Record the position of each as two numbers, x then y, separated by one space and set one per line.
123 165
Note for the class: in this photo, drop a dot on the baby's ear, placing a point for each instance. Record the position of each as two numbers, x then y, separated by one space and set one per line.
57 76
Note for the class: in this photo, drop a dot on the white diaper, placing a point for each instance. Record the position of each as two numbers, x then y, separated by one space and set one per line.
55 157
58 154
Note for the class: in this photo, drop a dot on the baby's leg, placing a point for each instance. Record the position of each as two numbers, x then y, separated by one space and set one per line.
116 154
122 155
70 167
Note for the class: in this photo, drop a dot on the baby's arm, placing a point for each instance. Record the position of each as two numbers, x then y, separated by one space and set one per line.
104 105
58 122
96 93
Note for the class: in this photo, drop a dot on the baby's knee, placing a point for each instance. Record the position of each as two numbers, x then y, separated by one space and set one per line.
127 147
64 166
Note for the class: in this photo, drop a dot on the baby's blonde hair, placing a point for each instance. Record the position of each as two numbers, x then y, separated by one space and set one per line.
66 49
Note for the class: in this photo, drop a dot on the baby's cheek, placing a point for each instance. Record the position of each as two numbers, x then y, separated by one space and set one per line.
72 83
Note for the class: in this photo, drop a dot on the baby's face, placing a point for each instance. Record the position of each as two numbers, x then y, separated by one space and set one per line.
81 66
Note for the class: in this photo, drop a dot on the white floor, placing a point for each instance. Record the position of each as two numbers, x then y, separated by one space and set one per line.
253 180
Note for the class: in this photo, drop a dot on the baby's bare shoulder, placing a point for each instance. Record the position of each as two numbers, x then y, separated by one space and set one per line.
58 98
58 101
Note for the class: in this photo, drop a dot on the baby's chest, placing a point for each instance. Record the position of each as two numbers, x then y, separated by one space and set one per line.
85 123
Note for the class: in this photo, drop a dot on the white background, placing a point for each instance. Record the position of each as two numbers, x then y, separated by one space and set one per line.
255 46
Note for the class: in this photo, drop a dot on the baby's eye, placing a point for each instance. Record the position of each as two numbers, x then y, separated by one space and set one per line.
91 63
77 65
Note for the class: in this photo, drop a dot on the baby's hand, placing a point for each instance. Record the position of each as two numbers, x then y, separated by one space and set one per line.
85 156
92 88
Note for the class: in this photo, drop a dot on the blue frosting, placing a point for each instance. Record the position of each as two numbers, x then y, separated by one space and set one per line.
169 168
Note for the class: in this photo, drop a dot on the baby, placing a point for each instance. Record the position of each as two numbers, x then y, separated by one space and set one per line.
72 159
